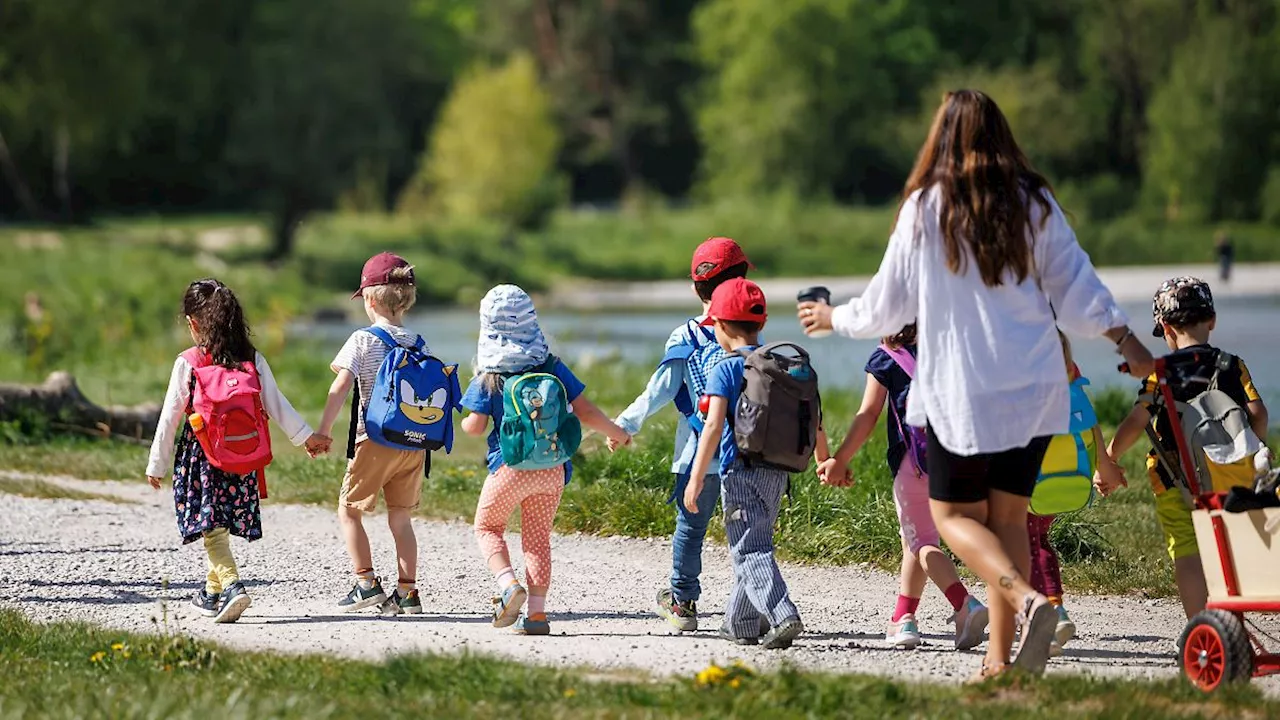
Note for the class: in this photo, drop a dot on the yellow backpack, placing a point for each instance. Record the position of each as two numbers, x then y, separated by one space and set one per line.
1065 483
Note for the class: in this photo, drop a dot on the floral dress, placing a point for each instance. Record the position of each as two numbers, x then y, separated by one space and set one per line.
207 498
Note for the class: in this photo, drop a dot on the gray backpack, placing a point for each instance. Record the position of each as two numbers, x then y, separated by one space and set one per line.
779 412
1216 428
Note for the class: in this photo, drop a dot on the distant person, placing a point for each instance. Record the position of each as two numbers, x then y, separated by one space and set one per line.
538 408
1184 317
1226 253
982 255
378 464
681 378
780 427
215 498
890 370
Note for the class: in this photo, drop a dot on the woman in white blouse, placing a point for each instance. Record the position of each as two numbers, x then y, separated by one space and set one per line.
981 258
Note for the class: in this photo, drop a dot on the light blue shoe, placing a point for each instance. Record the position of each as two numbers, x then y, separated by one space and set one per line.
526 626
971 624
903 634
506 609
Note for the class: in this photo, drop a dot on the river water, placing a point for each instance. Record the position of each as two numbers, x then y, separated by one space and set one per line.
1248 327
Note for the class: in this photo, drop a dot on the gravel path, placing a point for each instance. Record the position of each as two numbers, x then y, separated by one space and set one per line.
104 562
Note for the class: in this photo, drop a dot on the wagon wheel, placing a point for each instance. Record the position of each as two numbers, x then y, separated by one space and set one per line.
1214 648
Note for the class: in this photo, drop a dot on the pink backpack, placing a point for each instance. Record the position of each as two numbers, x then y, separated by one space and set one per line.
235 437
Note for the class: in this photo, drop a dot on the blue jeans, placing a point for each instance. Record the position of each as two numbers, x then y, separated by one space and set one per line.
691 530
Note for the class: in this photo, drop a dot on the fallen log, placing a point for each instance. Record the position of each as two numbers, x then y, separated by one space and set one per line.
59 401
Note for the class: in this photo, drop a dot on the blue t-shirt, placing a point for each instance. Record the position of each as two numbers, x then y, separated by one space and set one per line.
479 399
725 380
885 370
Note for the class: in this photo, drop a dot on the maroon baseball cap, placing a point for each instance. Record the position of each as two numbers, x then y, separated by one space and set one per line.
714 256
377 271
738 299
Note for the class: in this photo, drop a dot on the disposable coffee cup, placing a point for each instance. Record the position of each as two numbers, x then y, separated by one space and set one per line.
817 294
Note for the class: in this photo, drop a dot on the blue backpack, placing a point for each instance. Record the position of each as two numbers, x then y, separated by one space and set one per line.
700 351
413 399
538 430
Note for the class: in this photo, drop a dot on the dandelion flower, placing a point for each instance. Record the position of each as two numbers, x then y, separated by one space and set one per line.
570 692
97 657
118 647
735 683
712 675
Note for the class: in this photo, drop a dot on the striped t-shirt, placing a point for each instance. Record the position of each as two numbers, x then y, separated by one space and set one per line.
362 356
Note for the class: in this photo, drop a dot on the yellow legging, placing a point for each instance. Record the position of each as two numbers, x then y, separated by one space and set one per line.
222 565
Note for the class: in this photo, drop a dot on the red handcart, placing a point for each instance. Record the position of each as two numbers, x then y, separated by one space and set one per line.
1218 645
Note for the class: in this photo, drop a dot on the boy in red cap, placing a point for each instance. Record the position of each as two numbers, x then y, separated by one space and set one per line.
752 493
681 377
388 289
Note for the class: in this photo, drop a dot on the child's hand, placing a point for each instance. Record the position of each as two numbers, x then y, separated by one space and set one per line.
1109 477
154 481
691 493
318 445
614 444
834 474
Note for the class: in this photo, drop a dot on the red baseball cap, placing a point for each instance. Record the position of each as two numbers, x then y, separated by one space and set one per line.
377 271
714 256
738 299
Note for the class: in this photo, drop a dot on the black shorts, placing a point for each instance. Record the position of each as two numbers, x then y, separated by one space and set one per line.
961 479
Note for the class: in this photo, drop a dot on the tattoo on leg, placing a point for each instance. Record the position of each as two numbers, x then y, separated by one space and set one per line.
1006 581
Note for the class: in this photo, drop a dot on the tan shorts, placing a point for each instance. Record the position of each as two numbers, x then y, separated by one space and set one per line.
397 473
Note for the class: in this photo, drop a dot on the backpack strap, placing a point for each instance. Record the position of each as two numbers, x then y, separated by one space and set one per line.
355 418
903 358
390 341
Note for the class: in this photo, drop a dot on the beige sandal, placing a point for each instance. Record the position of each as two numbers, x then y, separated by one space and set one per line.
986 672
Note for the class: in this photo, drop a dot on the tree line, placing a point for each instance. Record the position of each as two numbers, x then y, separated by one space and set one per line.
507 109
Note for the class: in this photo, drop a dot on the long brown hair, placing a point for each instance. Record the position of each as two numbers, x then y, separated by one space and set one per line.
986 186
224 333
906 336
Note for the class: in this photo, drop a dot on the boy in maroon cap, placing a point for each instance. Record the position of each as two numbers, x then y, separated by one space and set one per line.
681 378
388 289
752 493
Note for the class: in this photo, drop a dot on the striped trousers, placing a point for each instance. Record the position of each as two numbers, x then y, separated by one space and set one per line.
752 497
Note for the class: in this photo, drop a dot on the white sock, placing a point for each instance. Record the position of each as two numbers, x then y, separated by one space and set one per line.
537 605
366 579
506 578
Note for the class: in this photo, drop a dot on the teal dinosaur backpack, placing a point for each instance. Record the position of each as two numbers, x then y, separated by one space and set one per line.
538 430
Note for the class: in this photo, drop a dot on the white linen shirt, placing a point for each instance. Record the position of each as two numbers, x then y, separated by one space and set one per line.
990 375
174 413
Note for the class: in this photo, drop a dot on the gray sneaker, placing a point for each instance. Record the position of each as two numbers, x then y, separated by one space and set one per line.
781 635
360 598
408 604
234 601
682 614
1038 620
206 603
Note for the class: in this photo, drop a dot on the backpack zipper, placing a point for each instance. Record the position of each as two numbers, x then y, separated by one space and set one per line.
530 376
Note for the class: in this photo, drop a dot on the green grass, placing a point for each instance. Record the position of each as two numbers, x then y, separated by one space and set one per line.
75 671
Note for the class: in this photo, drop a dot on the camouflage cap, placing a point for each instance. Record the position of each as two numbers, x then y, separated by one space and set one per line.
1180 294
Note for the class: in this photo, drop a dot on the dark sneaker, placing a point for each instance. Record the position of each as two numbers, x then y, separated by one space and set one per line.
529 626
205 602
360 598
234 601
781 636
682 614
724 634
409 604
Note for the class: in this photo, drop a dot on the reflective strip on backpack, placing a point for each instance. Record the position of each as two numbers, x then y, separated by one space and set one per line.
238 438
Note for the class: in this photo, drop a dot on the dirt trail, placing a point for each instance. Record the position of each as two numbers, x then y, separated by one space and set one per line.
104 562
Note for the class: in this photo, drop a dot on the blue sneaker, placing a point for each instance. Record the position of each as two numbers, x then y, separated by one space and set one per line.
971 624
506 609
528 626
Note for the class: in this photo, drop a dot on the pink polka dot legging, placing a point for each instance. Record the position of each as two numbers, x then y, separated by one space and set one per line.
537 493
